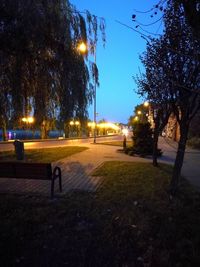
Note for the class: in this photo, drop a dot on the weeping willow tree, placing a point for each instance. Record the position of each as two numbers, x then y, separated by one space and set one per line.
4 98
43 73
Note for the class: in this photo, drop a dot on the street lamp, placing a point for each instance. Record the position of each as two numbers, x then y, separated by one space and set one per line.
77 123
71 130
95 98
136 118
27 121
75 126
82 48
71 123
146 103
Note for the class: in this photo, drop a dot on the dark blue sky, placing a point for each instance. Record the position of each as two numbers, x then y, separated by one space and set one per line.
119 61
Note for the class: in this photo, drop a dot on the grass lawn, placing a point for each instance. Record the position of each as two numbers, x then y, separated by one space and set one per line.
130 221
117 143
44 154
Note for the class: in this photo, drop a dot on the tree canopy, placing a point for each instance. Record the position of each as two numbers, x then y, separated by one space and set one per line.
172 77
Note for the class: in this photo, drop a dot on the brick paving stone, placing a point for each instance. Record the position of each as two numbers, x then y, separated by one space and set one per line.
77 171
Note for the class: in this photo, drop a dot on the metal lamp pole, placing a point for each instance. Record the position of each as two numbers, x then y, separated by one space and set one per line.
82 48
95 100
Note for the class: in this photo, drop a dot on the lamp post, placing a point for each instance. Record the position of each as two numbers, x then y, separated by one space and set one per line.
77 123
95 98
82 48
71 126
75 127
28 121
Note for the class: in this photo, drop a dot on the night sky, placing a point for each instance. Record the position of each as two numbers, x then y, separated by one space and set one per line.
119 61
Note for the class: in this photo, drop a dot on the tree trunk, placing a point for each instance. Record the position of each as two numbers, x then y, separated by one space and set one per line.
4 136
43 129
66 129
155 147
3 127
42 132
179 159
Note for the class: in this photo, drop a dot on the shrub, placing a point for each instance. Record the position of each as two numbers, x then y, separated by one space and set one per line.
142 140
194 142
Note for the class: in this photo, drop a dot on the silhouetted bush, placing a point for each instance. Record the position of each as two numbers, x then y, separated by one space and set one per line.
194 142
142 140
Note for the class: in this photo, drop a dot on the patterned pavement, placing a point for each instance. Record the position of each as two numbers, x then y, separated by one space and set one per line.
76 172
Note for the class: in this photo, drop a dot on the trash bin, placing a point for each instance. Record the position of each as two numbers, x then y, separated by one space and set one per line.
19 149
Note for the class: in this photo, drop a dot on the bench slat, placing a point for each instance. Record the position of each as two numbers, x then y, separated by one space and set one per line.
26 170
29 170
41 171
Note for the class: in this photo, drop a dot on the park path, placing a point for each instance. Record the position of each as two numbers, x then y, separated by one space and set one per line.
77 169
76 172
191 163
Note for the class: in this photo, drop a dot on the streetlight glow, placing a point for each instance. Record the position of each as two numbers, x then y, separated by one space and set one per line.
82 47
146 103
125 131
136 118
30 119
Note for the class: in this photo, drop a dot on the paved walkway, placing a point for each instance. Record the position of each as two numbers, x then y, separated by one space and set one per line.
77 169
191 163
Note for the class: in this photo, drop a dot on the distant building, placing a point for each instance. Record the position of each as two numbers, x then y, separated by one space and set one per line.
172 129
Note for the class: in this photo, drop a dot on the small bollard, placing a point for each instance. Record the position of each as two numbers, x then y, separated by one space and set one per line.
124 142
19 149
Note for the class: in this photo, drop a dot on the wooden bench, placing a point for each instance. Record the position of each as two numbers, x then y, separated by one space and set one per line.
28 170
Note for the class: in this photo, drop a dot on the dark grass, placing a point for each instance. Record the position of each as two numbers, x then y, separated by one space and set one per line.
130 221
44 155
117 143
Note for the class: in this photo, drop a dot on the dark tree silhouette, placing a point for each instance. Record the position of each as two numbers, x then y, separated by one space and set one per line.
192 13
173 77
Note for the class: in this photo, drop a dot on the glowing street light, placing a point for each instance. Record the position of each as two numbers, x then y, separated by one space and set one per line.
27 122
75 125
136 118
146 103
91 124
71 123
82 47
139 112
125 131
28 119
